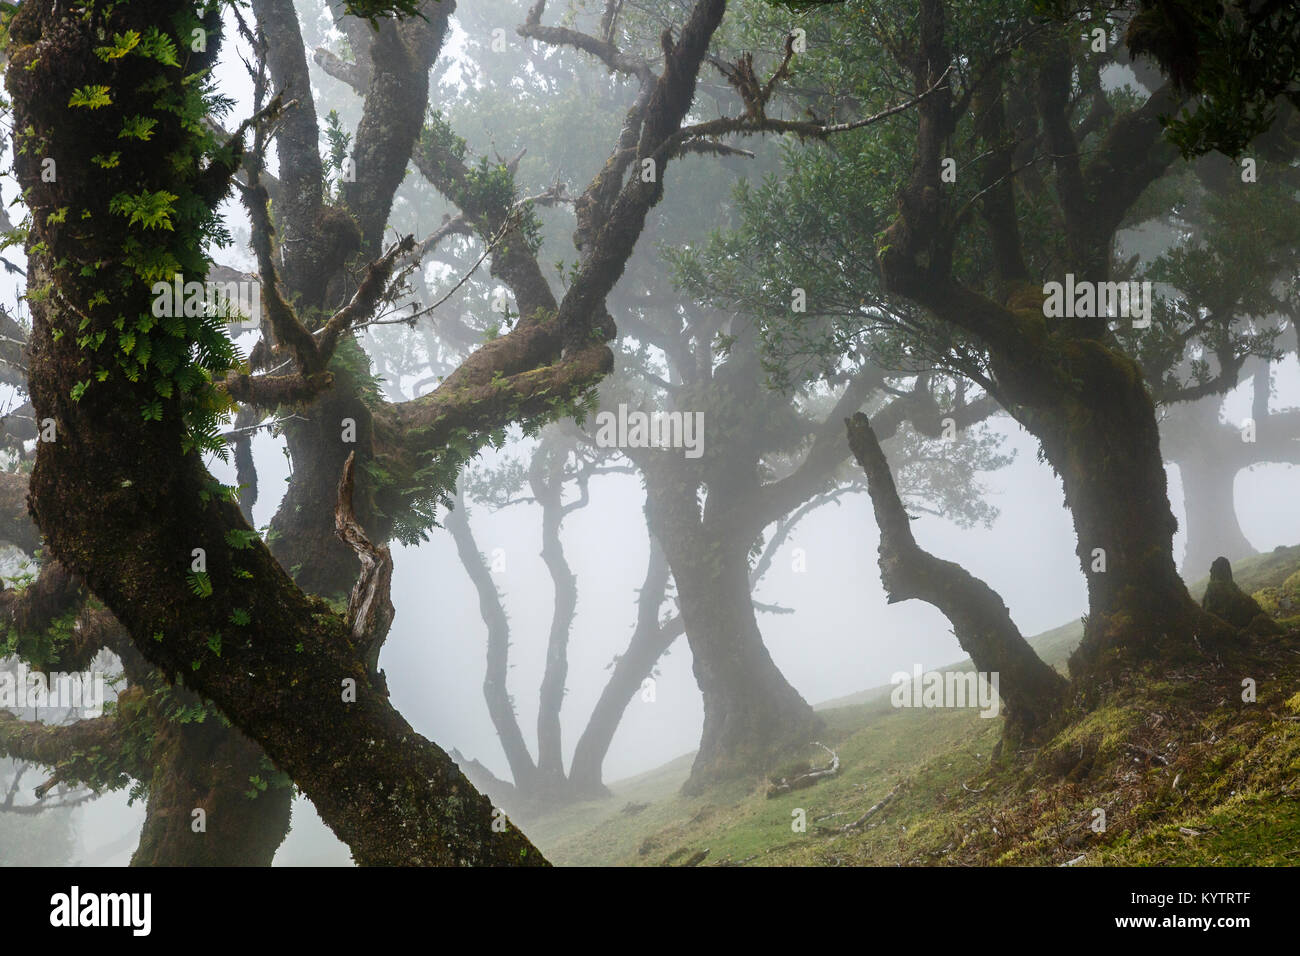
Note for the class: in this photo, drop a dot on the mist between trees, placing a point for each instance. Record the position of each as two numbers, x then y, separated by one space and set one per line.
420 409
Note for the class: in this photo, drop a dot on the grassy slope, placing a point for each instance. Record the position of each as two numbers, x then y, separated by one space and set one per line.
1185 772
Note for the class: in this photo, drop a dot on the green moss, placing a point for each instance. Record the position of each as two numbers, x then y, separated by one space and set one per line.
1185 772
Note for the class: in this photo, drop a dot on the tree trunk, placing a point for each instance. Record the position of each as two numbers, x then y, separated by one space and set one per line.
751 712
1102 438
1067 381
1209 453
123 504
184 765
496 692
209 766
303 538
649 642
1210 502
547 484
1032 690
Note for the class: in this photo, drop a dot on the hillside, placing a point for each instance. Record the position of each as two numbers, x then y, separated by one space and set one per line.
1184 771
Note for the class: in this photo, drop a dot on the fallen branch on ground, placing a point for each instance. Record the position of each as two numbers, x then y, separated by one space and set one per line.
806 779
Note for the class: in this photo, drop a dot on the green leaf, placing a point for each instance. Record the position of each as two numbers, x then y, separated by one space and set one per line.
153 210
91 97
240 539
123 43
137 127
200 583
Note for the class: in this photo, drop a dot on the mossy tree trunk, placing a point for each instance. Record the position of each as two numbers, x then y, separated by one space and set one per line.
1067 381
1034 693
211 767
1101 437
320 242
751 712
123 498
124 506
185 765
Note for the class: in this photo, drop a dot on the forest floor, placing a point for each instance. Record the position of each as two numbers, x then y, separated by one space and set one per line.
1184 770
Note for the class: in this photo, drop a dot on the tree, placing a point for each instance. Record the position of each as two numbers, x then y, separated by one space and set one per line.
1210 452
1230 274
278 671
767 458
959 251
1240 60
558 460
34 834
1034 692
162 741
800 261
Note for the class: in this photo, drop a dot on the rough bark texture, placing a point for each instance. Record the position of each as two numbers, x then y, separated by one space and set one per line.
396 97
210 766
16 525
1104 443
303 537
127 523
1033 692
122 506
184 765
1067 382
751 712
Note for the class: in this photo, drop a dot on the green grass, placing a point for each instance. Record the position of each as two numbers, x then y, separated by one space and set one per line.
1185 772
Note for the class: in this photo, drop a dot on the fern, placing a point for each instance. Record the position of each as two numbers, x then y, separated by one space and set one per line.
200 583
90 97
153 210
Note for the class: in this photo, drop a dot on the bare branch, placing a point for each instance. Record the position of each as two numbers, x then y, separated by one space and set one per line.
604 50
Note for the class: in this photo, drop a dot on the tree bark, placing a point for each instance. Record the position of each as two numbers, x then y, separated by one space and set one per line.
122 505
1209 499
303 538
751 712
1103 441
1068 382
396 97
1033 691
209 766
184 765
650 641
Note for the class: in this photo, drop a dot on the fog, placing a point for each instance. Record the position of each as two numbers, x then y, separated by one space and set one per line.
842 637
823 612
